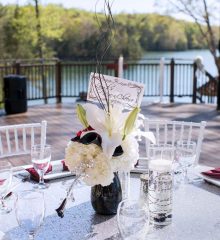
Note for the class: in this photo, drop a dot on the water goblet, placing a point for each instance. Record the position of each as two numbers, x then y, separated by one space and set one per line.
30 211
132 219
162 151
5 183
186 154
40 157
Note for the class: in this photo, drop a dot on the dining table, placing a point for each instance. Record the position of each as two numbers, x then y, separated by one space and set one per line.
196 213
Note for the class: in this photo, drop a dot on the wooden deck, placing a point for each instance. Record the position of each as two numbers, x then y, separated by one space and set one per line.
62 124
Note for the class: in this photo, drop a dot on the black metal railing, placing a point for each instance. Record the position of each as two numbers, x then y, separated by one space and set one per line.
60 79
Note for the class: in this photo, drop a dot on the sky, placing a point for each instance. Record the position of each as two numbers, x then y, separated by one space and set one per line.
118 5
128 6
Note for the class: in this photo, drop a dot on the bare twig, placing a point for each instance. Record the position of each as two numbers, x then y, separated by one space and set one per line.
103 46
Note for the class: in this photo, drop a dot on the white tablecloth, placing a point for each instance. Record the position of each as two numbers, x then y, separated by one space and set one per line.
196 215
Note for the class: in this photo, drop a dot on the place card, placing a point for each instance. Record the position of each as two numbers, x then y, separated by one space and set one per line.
121 91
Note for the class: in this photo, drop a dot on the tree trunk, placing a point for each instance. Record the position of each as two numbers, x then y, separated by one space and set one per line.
38 28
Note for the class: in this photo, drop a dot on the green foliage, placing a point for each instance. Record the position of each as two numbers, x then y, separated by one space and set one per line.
81 114
130 121
75 34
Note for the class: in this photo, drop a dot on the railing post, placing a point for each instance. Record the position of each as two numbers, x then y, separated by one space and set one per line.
116 68
161 79
194 83
172 65
44 82
218 92
58 82
17 68
120 66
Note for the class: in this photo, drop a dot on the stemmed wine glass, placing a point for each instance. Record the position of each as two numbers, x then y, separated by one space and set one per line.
5 183
30 211
186 154
40 157
133 219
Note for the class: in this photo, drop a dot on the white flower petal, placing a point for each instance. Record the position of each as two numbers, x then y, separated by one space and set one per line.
149 135
95 117
109 143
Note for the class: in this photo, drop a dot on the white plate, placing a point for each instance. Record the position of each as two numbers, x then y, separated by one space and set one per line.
200 168
51 176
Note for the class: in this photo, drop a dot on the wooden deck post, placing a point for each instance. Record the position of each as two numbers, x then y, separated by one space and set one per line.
17 68
218 94
194 83
172 65
44 82
58 82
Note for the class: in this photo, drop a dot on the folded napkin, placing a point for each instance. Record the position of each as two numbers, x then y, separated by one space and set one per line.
65 168
1 183
34 174
214 173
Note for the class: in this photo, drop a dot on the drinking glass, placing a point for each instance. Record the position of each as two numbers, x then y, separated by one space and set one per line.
30 210
5 183
133 219
124 177
160 183
186 154
162 151
40 157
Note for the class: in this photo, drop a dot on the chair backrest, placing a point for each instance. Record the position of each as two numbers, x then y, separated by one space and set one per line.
18 139
168 132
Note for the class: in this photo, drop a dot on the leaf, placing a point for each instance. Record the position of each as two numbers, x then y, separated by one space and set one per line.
129 123
81 114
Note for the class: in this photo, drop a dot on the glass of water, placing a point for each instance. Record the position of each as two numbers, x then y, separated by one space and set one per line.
30 210
186 155
40 157
133 219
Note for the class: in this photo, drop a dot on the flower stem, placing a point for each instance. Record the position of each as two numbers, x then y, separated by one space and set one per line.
61 208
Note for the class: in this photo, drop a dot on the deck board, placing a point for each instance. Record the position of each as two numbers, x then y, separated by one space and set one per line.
63 124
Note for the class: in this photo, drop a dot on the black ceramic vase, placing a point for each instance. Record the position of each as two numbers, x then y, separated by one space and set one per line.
105 200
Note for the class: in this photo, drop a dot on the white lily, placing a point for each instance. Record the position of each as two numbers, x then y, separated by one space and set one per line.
139 133
108 125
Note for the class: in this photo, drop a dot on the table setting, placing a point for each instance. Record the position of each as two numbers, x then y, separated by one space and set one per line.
194 214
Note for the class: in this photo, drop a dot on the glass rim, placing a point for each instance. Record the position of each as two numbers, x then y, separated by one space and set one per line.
39 146
162 147
168 145
130 200
21 196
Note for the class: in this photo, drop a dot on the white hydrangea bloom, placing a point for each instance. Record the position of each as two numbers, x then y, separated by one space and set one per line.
78 154
91 161
100 173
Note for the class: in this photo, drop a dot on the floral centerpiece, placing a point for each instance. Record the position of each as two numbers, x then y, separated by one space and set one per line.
106 145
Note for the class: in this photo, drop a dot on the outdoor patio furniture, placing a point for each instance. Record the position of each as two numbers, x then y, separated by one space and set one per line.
169 132
18 139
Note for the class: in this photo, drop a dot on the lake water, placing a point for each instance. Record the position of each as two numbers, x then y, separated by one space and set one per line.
208 59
